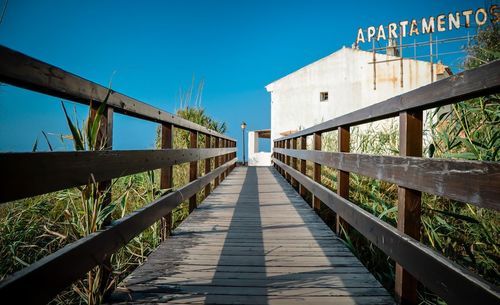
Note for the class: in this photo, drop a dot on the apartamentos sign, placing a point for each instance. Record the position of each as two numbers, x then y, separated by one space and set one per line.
440 23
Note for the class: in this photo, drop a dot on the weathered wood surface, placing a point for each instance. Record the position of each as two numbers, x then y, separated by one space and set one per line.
252 241
25 174
476 182
72 262
453 283
27 72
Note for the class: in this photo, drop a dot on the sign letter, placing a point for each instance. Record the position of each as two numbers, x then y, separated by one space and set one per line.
361 36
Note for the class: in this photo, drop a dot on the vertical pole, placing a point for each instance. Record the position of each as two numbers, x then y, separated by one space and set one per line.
294 161
224 158
303 146
243 136
287 161
401 60
342 177
104 141
217 162
208 162
283 158
409 202
431 58
317 169
374 67
193 167
166 177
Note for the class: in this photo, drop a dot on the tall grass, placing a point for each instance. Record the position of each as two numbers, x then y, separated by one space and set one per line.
466 234
32 228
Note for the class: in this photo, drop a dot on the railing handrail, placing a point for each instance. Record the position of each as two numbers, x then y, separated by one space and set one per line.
474 182
73 168
23 71
29 174
455 88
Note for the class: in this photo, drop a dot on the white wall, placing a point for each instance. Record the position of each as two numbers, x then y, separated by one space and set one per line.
348 77
256 158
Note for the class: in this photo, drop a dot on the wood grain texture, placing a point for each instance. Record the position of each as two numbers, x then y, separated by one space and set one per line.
166 177
467 181
23 71
344 137
316 169
456 88
409 203
451 282
69 169
193 168
253 241
71 263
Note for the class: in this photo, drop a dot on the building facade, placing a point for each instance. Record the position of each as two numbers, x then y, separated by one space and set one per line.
343 82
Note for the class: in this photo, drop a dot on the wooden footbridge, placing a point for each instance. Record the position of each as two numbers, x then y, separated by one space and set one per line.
253 239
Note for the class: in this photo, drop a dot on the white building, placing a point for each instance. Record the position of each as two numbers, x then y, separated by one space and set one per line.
341 83
256 157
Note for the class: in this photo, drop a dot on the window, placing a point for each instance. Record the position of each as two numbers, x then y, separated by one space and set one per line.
323 96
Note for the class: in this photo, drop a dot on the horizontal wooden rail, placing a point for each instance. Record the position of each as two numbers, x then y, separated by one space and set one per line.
453 283
27 72
41 281
456 88
467 181
29 174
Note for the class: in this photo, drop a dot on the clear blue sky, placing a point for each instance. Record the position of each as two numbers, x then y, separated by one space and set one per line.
153 48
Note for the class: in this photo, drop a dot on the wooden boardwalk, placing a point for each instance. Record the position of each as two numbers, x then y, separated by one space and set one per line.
254 240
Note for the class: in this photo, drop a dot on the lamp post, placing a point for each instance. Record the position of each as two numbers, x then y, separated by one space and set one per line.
243 126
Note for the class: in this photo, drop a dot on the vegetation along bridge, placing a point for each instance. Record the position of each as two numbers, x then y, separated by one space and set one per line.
253 239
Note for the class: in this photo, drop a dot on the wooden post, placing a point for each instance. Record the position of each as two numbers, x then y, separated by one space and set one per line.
224 158
409 202
303 169
283 159
342 177
208 163
294 162
166 177
193 167
104 141
317 169
287 160
216 162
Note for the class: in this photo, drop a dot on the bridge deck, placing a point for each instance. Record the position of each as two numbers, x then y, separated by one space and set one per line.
254 240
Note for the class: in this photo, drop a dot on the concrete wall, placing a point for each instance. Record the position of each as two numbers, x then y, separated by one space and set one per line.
348 78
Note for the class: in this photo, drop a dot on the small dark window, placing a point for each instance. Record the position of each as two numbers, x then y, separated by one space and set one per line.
323 96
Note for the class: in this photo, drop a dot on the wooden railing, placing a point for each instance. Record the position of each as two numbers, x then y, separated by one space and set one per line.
467 181
29 174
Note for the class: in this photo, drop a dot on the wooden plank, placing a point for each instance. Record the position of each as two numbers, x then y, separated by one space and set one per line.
477 82
92 250
23 71
126 296
193 168
344 136
166 177
409 203
303 146
104 141
475 182
240 243
208 162
69 169
294 161
217 162
316 170
445 278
